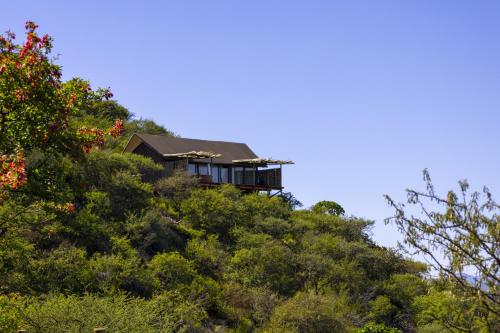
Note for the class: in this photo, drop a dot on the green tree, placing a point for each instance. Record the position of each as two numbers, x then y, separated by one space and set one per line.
308 312
172 270
394 306
444 311
215 211
328 207
262 261
177 187
151 232
208 255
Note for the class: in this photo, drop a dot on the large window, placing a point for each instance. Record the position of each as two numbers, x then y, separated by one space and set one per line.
203 169
249 176
224 175
238 175
215 174
191 169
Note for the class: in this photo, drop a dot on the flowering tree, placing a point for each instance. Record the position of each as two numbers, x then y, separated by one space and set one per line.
38 110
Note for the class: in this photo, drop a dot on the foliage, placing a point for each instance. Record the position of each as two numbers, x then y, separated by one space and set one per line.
151 232
462 227
248 306
328 207
394 306
291 200
58 313
207 255
377 328
177 187
172 270
308 312
214 211
38 110
446 311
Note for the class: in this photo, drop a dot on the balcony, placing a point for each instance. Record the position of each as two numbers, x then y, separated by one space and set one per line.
249 179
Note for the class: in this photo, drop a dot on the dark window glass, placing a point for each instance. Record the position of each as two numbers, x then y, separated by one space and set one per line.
238 175
191 169
224 175
249 174
203 169
215 173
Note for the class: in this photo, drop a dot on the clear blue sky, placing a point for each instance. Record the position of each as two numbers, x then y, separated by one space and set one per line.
362 95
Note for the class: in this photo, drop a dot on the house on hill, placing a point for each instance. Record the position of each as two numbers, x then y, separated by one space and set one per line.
214 162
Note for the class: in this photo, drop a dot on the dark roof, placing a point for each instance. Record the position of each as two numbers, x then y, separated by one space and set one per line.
172 145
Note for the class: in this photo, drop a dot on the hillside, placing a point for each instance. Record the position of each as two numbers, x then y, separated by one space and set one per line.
86 241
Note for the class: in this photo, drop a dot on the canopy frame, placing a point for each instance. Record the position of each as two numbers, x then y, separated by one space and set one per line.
194 155
262 161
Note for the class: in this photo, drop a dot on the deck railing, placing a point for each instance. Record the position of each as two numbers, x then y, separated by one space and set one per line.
267 178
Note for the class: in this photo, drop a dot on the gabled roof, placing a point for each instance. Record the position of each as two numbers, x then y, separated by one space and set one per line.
167 145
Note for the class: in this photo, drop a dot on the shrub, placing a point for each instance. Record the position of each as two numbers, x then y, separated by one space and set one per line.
307 312
377 328
120 313
172 270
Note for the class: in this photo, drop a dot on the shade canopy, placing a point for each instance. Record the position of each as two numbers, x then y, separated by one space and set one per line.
262 161
194 155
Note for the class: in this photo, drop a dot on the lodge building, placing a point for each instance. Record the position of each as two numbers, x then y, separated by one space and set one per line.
214 162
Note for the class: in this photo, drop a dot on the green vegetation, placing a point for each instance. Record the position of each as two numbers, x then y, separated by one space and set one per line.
87 241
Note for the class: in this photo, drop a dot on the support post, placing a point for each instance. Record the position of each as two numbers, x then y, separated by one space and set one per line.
210 169
254 175
281 174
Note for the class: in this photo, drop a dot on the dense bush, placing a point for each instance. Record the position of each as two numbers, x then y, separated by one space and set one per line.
58 313
310 312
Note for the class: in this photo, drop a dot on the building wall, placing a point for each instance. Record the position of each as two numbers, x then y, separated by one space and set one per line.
168 166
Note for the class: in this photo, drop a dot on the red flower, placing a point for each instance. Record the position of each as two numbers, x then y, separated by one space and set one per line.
70 207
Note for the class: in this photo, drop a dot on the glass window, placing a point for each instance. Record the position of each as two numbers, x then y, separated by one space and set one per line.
249 176
191 169
238 175
224 175
215 173
203 169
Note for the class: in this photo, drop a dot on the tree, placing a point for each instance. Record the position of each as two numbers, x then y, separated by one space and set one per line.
172 270
465 231
307 312
38 110
291 200
215 211
444 311
177 187
328 207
